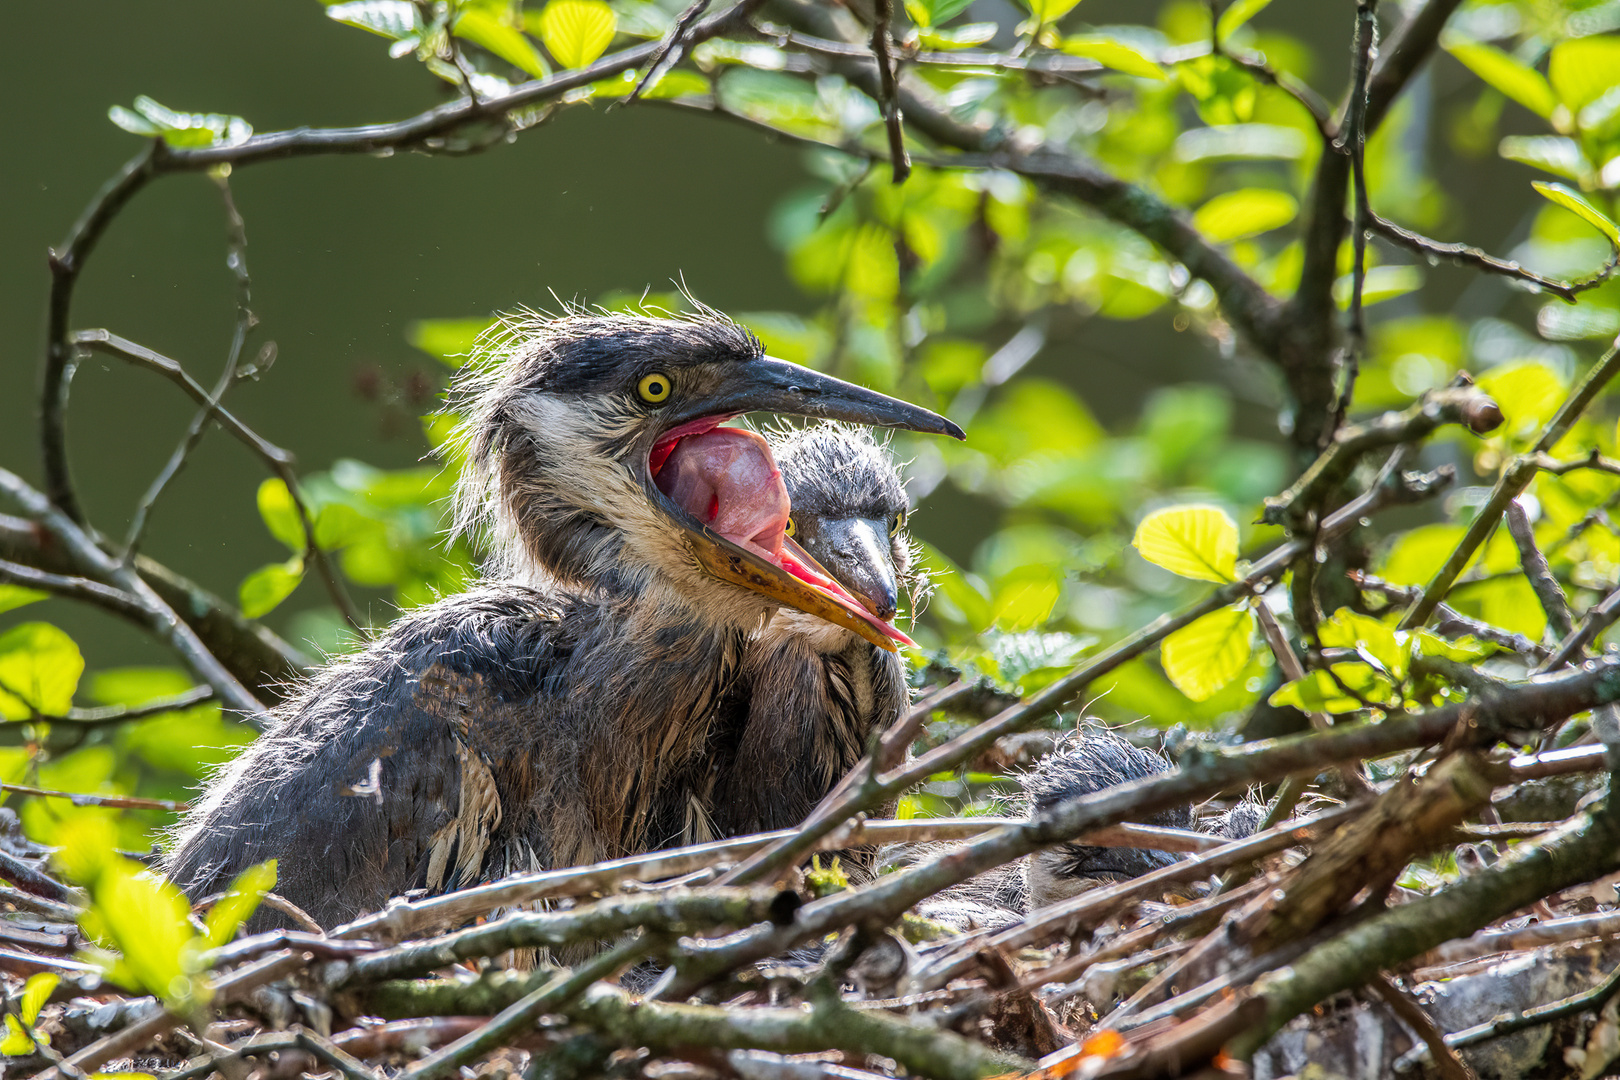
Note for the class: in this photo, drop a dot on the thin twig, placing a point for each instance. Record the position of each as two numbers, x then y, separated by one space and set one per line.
1515 478
1414 1016
1354 143
92 561
888 92
280 462
669 49
1548 591
116 802
236 261
1573 1005
552 997
1467 255
77 588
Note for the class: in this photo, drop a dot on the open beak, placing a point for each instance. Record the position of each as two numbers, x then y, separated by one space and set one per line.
733 527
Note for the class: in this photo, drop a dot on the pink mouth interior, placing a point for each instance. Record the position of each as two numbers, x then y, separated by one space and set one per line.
725 478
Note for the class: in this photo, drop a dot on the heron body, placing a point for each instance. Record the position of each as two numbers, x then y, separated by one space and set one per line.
811 694
536 720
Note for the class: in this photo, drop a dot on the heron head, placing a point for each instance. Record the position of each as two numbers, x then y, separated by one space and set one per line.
596 449
849 510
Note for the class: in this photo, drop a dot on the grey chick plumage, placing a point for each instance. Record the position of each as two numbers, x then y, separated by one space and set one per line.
536 720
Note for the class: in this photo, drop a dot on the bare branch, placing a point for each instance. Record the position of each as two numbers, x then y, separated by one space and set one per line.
118 802
1548 591
160 618
1465 255
888 93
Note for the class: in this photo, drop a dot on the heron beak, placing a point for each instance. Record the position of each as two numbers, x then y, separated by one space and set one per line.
728 494
858 555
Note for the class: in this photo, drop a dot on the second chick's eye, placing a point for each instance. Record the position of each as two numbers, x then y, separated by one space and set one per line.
897 523
791 529
654 388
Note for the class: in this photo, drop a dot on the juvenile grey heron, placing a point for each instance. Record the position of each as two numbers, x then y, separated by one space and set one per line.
811 693
532 721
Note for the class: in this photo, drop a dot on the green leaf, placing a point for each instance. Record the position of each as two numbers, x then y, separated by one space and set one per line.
927 13
450 341
1025 600
966 36
1382 283
36 992
486 30
1112 53
39 669
672 84
1049 11
147 920
1351 630
1316 692
576 32
239 903
178 129
264 589
17 1042
1465 649
1496 68
13 597
1236 14
1205 655
1577 205
1199 542
1528 393
1248 212
280 514
392 19
1550 153
1583 69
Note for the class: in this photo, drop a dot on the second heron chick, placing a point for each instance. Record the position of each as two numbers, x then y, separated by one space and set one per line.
811 694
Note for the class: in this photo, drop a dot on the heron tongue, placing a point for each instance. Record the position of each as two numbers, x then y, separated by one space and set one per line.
726 478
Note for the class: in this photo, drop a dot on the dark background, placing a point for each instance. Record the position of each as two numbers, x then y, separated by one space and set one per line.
345 252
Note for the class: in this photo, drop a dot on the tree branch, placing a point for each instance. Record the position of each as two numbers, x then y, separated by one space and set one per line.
1585 848
1548 591
1466 255
92 562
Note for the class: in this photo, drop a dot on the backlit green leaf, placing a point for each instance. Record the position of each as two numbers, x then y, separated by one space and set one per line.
1316 692
179 129
1248 212
392 19
1198 542
1577 204
1465 649
264 589
1205 655
486 30
36 992
576 32
673 84
1111 53
147 920
1049 11
1583 69
447 340
1381 283
239 903
17 1042
966 36
1236 14
13 597
280 513
39 671
1551 153
1349 629
1523 84
1528 393
928 13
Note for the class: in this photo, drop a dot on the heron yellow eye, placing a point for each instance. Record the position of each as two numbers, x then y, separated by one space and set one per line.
654 388
898 523
791 529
